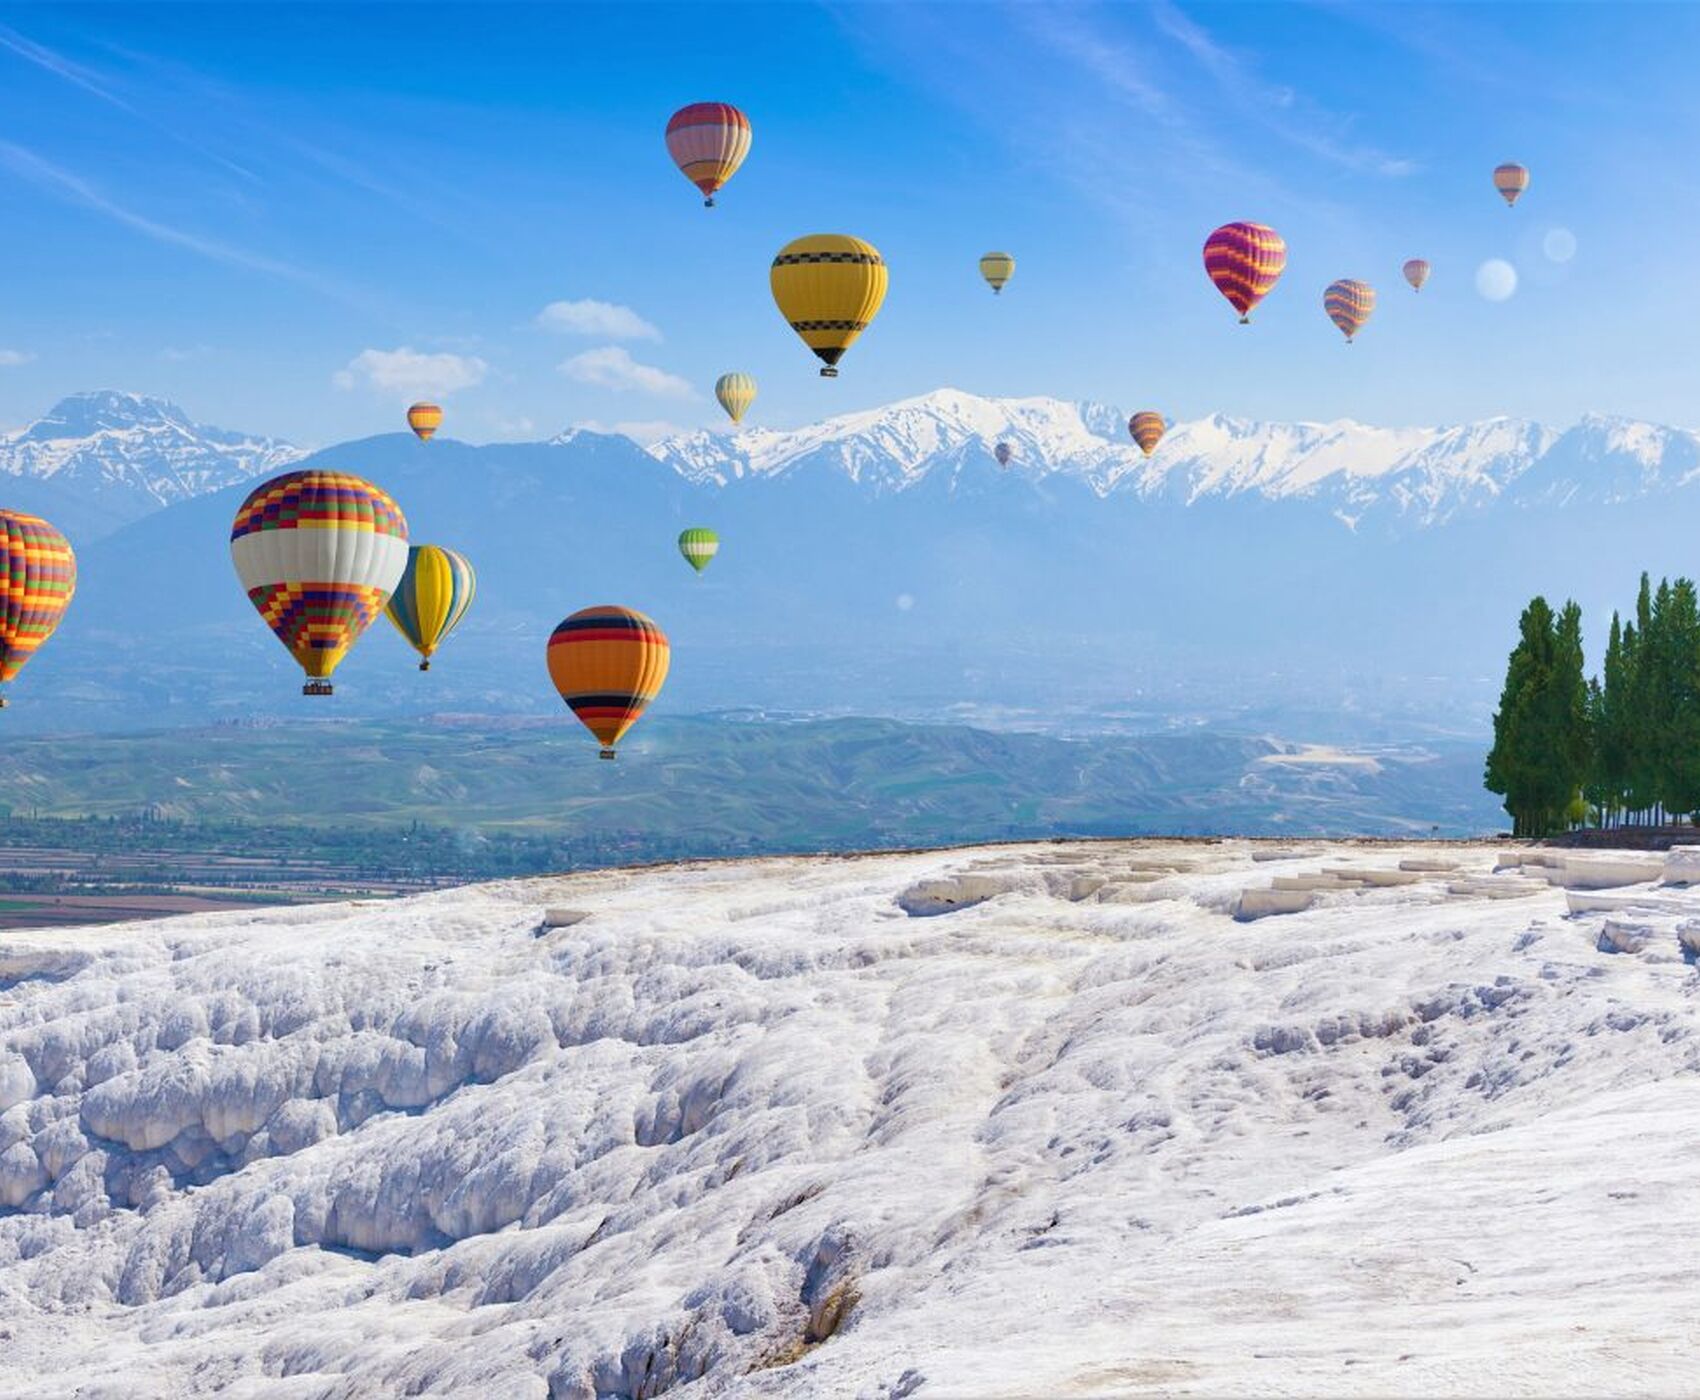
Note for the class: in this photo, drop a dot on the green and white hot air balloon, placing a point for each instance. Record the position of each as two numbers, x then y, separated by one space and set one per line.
699 544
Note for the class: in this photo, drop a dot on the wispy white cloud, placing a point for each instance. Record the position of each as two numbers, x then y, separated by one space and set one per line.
408 372
12 358
612 367
643 431
607 319
57 64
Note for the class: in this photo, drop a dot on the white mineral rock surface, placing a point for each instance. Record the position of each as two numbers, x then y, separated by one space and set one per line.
1022 1120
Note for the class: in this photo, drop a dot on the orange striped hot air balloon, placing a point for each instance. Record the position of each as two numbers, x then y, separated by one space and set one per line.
1147 430
1510 180
708 142
1416 272
608 663
1349 303
38 575
424 419
1244 261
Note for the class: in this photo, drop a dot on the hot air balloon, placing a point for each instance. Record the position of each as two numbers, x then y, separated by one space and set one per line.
1510 180
319 553
708 142
608 663
424 419
1147 429
1349 303
1003 452
435 591
1416 272
829 287
997 268
1244 261
736 393
38 575
698 544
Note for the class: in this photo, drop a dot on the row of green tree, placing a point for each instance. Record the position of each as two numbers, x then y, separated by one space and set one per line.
1622 748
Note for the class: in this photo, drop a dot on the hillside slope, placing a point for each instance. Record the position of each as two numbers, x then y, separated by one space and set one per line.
1042 1118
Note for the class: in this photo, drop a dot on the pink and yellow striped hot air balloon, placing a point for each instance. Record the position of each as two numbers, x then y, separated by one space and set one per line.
38 575
1244 261
708 142
1510 180
1147 429
1416 272
1349 303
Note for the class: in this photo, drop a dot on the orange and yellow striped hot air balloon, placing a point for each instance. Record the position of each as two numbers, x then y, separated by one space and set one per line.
708 142
1510 180
608 663
1416 272
1147 429
424 419
38 575
1349 303
1244 261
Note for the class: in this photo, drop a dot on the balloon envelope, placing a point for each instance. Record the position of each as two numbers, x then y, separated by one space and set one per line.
319 553
1003 452
698 544
736 393
1416 272
708 142
828 286
1349 303
435 590
608 663
38 576
1510 180
997 268
1244 261
424 419
1147 429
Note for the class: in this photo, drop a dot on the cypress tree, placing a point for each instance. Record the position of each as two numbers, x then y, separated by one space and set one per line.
1520 765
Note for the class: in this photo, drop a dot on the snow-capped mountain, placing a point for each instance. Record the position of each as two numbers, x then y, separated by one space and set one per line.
100 460
1427 473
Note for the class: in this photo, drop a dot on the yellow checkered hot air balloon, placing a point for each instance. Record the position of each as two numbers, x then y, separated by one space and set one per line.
828 286
38 575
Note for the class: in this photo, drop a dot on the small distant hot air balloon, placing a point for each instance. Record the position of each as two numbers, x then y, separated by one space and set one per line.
736 393
608 663
1147 429
829 287
997 268
1416 272
319 553
424 419
1510 180
1349 303
698 544
435 591
38 576
1244 261
708 142
1003 452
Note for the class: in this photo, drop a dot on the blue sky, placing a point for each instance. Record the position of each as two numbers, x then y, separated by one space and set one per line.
296 219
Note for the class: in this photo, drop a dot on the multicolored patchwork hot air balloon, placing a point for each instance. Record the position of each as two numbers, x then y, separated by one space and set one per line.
736 393
38 575
1003 452
828 286
424 419
1244 261
997 268
1349 303
1147 428
1510 180
436 589
608 663
1416 272
708 142
319 553
698 544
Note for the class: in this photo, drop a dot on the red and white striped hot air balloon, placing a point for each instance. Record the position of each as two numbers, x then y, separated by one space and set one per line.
708 142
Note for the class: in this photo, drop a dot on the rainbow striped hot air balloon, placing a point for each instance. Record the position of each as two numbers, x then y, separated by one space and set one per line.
1416 272
424 419
608 663
997 268
1244 261
1349 303
736 392
435 591
319 553
1147 429
708 142
38 576
828 286
1510 180
698 544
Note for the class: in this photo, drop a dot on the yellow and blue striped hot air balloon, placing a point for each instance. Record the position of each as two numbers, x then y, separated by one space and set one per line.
828 286
38 576
736 392
435 591
608 663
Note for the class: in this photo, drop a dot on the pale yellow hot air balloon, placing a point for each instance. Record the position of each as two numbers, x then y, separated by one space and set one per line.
997 268
736 393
